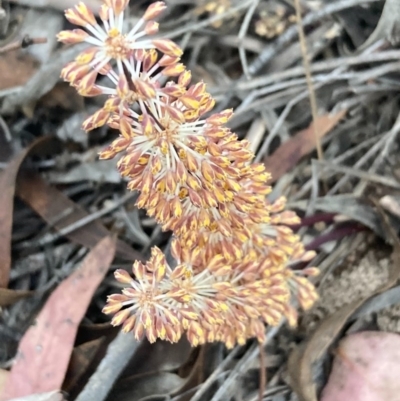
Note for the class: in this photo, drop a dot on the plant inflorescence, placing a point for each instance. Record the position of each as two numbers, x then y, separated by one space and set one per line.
233 247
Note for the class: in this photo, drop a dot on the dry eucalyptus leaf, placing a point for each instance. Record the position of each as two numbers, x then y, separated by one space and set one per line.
83 360
289 153
3 378
366 368
303 359
45 349
50 396
8 178
50 204
306 357
16 69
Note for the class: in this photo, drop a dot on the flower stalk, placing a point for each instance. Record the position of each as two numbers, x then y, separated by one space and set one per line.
233 247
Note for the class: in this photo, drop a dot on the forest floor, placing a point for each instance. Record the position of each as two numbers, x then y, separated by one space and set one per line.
335 158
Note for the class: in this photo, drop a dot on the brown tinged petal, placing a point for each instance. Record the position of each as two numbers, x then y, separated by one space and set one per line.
96 120
151 28
74 36
173 70
122 276
189 314
189 101
116 146
175 114
173 90
129 324
139 270
160 271
171 318
291 315
220 118
74 72
112 308
196 334
198 89
120 317
166 61
167 47
80 15
107 153
311 271
138 330
147 125
223 271
118 6
87 82
144 89
151 334
146 318
185 78
104 12
117 298
149 59
154 10
89 91
173 333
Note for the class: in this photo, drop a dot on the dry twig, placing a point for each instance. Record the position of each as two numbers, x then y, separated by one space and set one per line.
23 43
118 355
306 62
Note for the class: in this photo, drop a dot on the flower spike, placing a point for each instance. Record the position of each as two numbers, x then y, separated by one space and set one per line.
233 248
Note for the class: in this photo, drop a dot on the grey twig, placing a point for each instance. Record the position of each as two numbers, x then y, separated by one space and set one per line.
291 33
192 27
242 33
369 143
329 168
43 81
388 25
214 376
50 238
320 66
119 353
23 43
225 391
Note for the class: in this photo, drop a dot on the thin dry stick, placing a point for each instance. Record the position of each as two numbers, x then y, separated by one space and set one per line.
263 373
313 100
387 25
49 238
330 8
23 43
319 66
193 27
242 33
225 390
214 376
119 353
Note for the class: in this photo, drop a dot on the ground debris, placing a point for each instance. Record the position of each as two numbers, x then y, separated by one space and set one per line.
58 200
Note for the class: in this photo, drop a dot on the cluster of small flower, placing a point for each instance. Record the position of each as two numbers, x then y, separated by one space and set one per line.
194 177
